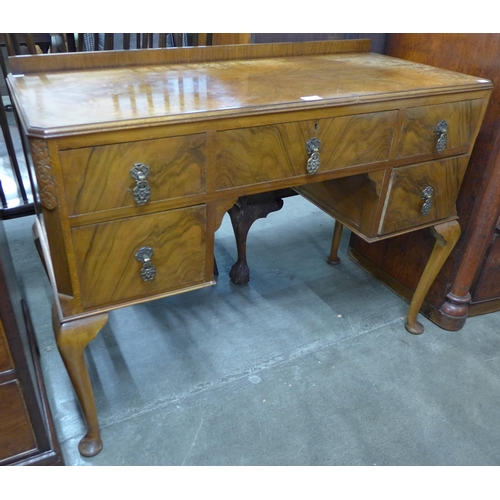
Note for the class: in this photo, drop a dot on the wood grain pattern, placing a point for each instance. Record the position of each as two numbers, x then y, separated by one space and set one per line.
6 362
446 236
105 255
243 106
99 178
355 200
418 133
486 286
258 106
478 205
16 432
71 102
404 200
229 38
27 434
118 58
345 141
72 338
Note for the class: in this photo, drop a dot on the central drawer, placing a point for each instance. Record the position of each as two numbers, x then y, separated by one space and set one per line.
267 153
99 178
107 255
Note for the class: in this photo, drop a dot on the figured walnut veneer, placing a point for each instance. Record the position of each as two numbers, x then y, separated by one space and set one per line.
215 125
108 249
283 147
97 178
419 126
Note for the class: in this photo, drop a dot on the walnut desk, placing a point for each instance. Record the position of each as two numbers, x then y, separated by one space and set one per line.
138 154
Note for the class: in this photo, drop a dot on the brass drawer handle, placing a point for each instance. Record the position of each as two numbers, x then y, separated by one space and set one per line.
314 160
427 194
142 190
441 131
148 270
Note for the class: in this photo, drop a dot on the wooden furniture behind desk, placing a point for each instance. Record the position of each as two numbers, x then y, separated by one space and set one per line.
469 283
27 434
138 155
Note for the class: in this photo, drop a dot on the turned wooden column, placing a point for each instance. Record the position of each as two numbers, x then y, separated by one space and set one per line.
479 237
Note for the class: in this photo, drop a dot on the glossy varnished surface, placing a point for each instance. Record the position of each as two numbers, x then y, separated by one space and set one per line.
478 205
67 102
345 141
99 178
248 122
177 238
405 200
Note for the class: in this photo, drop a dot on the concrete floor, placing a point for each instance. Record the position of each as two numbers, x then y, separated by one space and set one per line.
307 364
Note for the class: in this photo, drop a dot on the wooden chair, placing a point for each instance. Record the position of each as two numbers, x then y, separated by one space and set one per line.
126 41
33 43
18 44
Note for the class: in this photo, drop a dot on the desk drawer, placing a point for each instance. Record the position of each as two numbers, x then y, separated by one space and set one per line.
269 153
109 271
99 178
419 133
419 194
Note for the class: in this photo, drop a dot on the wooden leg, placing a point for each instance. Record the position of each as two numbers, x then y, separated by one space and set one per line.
333 258
39 248
243 214
72 338
455 310
446 235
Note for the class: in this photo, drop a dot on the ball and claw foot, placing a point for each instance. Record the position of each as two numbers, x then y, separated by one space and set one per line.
240 273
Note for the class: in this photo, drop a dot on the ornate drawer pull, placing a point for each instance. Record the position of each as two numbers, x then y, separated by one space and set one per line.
427 194
314 161
441 130
142 191
148 271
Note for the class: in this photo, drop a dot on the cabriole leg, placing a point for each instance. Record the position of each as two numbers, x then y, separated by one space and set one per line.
243 214
72 338
446 235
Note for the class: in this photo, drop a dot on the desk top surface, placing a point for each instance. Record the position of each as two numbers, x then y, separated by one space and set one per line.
68 102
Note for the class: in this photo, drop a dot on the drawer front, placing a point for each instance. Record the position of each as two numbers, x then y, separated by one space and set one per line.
16 432
420 134
109 270
99 178
6 362
409 191
269 153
